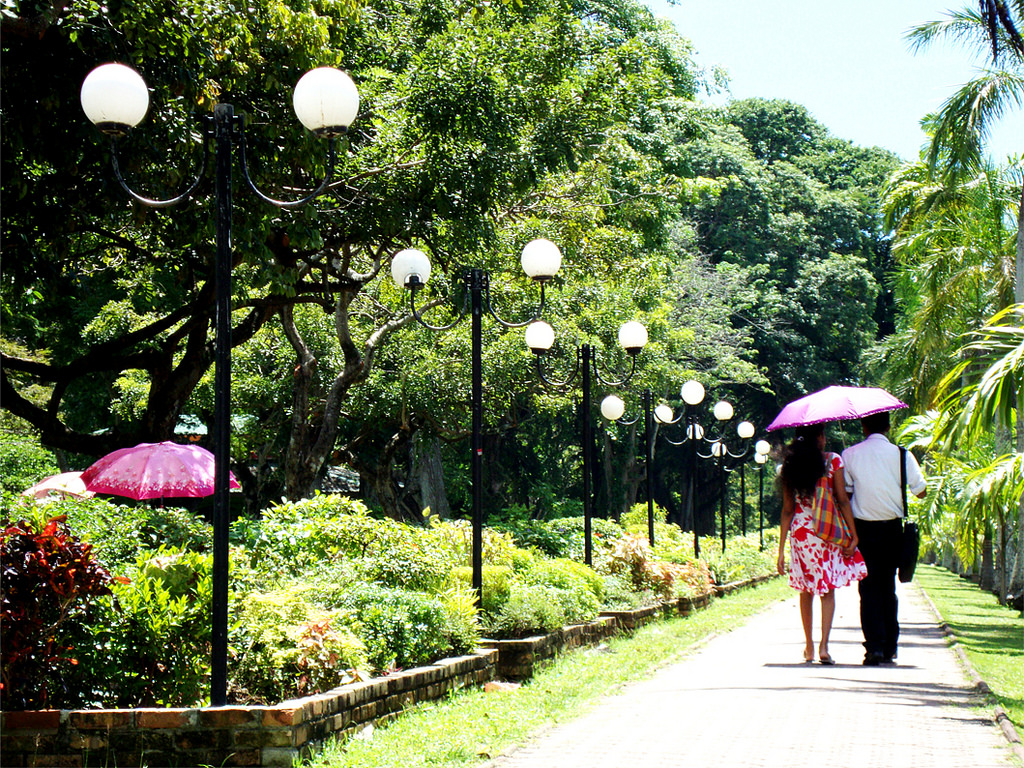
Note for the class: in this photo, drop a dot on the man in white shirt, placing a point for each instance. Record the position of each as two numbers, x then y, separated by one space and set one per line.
872 469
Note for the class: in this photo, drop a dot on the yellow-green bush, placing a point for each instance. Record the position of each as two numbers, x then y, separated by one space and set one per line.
287 647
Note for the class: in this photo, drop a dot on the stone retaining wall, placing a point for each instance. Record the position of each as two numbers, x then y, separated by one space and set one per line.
276 735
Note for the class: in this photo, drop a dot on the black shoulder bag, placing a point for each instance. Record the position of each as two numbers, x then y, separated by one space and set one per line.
911 536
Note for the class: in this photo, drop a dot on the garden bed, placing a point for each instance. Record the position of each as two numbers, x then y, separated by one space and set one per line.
276 735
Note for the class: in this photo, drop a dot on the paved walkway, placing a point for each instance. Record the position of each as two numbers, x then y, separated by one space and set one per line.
746 700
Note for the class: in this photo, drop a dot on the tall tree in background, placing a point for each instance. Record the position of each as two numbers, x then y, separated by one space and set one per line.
468 111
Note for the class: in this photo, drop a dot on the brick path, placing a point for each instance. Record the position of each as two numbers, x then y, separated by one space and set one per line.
746 700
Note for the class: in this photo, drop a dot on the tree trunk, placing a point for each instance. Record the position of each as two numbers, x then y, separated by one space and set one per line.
1017 579
987 574
428 473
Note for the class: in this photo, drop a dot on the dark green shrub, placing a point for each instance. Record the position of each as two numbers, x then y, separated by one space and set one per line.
149 643
530 610
407 563
565 574
325 583
288 647
294 536
619 594
400 629
122 533
47 579
569 530
538 535
24 463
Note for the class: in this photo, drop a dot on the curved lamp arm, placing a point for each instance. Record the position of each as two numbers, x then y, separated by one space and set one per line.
239 128
509 324
415 285
609 382
565 383
169 202
629 422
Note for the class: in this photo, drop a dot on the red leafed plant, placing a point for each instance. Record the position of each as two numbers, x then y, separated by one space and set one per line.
47 575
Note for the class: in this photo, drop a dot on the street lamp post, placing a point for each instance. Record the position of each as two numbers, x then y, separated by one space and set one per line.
115 98
410 269
613 408
745 431
761 457
718 451
692 393
632 338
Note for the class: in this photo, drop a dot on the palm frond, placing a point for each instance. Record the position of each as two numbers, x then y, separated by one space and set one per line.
981 392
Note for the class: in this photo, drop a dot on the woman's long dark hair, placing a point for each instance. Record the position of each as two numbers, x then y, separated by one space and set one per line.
803 463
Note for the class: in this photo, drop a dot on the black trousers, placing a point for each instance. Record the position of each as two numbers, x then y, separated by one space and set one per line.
880 546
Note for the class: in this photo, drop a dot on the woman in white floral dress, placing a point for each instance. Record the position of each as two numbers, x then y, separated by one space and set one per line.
816 567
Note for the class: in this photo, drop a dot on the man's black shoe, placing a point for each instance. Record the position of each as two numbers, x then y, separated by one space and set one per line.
889 660
873 659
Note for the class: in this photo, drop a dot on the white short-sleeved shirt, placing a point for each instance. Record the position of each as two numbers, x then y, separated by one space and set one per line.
872 469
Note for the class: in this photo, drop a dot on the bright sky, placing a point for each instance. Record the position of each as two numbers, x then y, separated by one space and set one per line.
847 62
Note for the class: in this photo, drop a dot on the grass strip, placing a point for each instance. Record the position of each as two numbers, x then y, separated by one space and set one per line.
471 726
991 635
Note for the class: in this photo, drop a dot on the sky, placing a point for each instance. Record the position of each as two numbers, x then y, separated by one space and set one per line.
847 62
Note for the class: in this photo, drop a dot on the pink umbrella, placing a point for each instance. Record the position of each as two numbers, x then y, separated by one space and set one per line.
153 471
833 404
64 484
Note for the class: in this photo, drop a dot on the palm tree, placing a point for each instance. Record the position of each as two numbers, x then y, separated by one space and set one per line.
956 256
962 126
978 395
1002 30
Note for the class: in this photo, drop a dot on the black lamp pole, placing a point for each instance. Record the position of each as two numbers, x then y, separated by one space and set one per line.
476 283
649 463
331 95
691 430
586 367
588 454
743 499
724 487
760 505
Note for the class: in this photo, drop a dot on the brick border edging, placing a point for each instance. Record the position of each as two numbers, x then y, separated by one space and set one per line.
233 735
276 735
998 713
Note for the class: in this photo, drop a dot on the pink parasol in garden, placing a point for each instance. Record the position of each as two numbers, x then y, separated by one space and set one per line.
835 403
153 471
64 484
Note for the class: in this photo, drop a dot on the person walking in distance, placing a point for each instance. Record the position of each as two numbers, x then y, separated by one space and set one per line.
876 497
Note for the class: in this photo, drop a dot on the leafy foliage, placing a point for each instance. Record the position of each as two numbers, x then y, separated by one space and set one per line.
401 629
149 643
48 576
24 462
288 647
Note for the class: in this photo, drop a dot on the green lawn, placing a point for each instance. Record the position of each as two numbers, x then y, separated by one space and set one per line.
472 726
991 635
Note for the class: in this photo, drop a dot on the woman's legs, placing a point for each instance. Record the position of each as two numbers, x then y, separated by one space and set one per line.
807 619
828 610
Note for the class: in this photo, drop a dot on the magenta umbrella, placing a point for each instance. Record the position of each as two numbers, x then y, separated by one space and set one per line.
153 471
835 403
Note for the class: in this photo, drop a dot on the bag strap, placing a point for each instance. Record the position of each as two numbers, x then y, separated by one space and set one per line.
903 478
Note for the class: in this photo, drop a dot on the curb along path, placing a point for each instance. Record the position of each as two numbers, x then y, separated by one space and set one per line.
746 700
